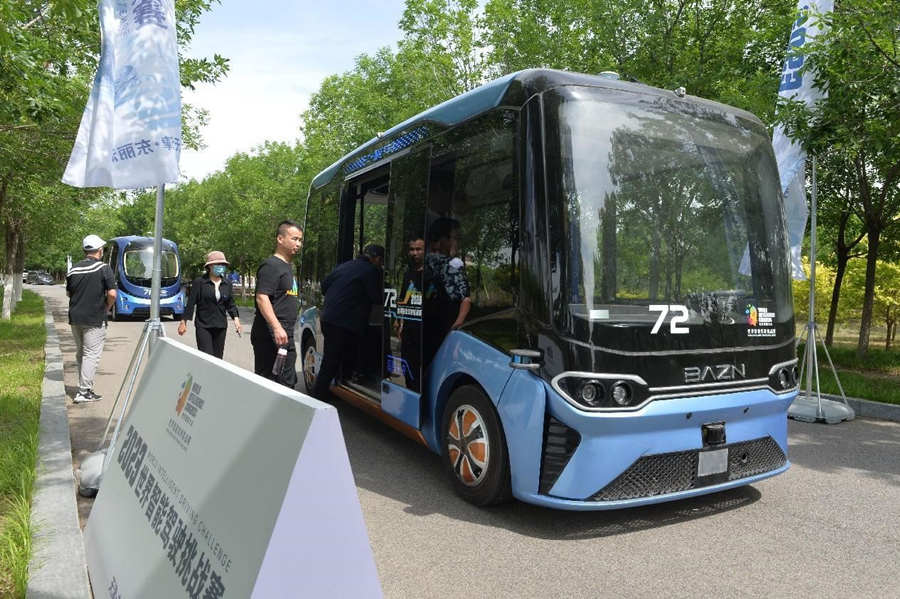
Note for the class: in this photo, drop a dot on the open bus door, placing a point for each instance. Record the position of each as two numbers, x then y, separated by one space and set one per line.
403 293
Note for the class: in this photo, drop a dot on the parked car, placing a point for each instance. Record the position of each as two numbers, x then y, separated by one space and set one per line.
39 277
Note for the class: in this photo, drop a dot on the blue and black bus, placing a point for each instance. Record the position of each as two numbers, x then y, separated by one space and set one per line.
131 260
631 332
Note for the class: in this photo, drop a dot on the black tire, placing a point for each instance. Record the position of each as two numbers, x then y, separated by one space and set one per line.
115 313
176 316
309 349
470 426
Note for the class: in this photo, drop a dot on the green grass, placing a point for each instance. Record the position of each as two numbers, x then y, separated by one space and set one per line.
246 302
21 374
875 377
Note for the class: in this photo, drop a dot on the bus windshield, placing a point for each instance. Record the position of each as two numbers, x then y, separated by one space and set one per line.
139 266
664 210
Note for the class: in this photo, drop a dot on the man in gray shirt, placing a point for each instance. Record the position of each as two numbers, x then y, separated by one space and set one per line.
91 288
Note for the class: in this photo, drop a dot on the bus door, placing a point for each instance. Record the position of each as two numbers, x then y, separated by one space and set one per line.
403 273
367 196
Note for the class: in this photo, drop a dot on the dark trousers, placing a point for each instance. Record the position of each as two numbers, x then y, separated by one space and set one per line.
211 341
264 352
341 346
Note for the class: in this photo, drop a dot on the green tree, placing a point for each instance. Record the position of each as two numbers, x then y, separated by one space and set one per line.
839 226
725 50
824 283
444 35
48 54
885 303
857 60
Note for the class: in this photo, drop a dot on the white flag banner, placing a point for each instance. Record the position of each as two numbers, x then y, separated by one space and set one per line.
130 133
797 84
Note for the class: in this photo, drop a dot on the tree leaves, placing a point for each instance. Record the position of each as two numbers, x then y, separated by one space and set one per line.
48 55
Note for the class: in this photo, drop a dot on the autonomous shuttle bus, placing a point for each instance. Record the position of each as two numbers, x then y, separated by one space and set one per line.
630 337
131 260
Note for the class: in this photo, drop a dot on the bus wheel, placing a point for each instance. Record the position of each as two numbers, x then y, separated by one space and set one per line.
309 365
115 312
475 453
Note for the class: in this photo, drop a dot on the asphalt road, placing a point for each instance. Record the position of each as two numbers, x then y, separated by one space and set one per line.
829 527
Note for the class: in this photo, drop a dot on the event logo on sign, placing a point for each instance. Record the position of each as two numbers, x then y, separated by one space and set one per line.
760 322
185 391
187 408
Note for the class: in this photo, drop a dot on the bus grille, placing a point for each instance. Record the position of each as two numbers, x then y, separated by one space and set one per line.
673 472
560 442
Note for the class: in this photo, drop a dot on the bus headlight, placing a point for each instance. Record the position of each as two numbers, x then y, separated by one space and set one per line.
592 393
601 391
784 379
621 393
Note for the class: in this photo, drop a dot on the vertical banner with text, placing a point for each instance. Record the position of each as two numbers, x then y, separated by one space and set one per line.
797 83
130 133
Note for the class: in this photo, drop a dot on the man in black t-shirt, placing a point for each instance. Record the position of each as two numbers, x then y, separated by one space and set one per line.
351 289
91 288
277 306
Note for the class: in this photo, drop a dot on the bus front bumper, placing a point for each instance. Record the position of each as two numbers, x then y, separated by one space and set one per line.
598 461
129 305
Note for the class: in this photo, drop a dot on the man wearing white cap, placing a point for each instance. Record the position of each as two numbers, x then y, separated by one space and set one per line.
91 288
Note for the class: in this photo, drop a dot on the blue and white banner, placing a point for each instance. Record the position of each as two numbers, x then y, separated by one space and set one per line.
130 133
797 83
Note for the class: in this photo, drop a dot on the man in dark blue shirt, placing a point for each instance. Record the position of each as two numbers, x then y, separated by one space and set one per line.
350 291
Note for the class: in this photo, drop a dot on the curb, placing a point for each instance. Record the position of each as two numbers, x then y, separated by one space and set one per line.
58 566
869 409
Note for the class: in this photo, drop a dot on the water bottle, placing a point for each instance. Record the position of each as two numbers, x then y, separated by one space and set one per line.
278 366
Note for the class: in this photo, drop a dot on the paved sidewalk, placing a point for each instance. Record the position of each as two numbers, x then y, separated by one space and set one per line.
57 569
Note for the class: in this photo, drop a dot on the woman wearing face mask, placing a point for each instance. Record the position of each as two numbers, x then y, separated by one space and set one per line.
211 296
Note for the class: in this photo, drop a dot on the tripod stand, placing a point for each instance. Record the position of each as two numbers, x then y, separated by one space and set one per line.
806 409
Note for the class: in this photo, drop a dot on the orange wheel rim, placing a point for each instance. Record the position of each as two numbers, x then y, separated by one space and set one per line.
468 445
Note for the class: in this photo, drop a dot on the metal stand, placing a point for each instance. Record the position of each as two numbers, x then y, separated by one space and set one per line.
94 465
806 409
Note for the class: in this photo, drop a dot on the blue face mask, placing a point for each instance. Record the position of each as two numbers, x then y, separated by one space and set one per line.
219 270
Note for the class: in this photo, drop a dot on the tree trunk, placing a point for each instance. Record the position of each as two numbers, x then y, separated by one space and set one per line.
891 325
20 267
609 252
655 246
842 250
9 291
865 324
5 280
835 297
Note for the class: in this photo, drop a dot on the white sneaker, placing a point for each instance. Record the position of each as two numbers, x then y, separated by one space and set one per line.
84 397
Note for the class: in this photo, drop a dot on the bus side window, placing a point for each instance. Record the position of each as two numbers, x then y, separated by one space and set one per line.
310 250
113 258
326 254
404 266
473 181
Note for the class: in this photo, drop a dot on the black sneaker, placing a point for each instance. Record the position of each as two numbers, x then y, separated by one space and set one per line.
94 397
